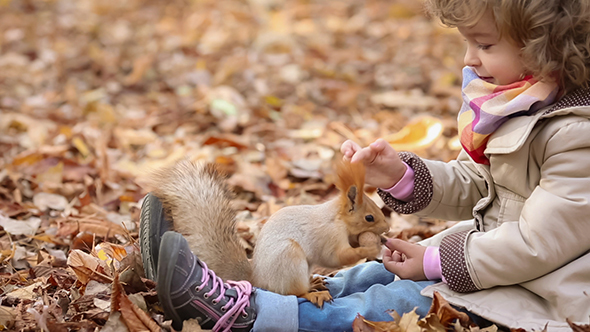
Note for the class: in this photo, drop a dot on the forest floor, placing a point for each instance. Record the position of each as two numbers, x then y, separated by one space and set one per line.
94 95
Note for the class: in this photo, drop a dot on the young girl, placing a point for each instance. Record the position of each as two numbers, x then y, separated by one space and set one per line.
522 257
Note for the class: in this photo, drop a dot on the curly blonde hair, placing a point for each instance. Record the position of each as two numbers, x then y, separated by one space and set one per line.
554 35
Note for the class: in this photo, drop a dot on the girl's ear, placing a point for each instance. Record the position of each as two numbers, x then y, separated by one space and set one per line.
352 194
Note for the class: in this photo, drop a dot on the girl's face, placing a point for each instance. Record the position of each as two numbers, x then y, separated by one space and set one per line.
494 59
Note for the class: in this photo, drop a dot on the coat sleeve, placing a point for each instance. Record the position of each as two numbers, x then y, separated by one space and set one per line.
551 231
446 191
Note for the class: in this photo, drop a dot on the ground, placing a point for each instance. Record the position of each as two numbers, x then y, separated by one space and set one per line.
95 94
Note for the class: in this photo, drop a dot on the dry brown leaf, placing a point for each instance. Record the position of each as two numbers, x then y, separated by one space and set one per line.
245 84
409 321
276 169
406 323
191 325
46 201
20 227
83 241
224 142
100 228
115 323
7 317
135 318
431 323
446 313
360 324
132 272
30 292
140 65
88 267
111 250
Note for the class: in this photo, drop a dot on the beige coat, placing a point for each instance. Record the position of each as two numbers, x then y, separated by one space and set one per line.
523 258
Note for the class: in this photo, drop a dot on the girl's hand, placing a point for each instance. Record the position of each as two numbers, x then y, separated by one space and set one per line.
348 149
383 165
404 259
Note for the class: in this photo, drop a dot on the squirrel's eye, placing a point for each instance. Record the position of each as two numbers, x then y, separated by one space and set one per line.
369 218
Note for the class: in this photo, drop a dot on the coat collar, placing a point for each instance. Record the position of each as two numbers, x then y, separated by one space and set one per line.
512 134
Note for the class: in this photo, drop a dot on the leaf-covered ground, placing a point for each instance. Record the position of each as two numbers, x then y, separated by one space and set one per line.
95 94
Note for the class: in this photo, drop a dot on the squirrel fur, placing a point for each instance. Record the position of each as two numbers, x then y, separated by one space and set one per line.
295 238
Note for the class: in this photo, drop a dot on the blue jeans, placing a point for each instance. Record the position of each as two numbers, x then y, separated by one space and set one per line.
367 289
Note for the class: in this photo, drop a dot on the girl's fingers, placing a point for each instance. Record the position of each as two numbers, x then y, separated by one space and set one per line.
379 145
364 155
401 246
386 256
407 259
348 148
397 256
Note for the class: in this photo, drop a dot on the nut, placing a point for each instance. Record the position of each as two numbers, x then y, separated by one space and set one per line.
369 239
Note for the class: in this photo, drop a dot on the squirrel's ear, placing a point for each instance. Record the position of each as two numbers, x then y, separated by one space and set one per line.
352 197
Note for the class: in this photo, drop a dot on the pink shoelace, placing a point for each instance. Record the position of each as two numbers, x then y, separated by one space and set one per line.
233 306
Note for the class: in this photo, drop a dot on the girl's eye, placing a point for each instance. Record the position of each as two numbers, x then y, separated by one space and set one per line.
483 47
369 218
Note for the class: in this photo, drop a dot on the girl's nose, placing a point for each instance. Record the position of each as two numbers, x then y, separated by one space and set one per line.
471 59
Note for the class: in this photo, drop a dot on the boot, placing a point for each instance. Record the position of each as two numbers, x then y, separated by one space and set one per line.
188 289
152 225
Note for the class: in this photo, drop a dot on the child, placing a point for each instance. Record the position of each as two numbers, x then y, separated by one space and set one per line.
522 258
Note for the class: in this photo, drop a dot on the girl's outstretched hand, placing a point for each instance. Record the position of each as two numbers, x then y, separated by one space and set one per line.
404 259
383 165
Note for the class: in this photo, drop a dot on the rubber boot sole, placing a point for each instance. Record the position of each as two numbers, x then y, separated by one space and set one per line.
152 224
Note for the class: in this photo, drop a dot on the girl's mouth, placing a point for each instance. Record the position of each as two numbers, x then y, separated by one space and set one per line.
488 79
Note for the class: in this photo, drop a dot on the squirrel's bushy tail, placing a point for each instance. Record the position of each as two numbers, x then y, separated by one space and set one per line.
198 200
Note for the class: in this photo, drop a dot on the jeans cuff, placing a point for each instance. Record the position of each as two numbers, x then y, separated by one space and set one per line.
275 312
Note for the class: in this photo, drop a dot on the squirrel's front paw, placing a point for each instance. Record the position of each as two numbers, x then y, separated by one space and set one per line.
318 298
371 242
317 283
372 253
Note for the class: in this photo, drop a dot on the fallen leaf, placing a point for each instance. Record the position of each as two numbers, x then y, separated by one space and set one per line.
140 65
431 323
53 175
7 317
99 228
418 134
81 146
115 323
191 325
83 241
20 227
26 293
409 322
88 267
46 201
446 313
224 142
411 99
360 324
135 318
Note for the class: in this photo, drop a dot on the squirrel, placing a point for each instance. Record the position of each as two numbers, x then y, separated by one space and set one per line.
197 199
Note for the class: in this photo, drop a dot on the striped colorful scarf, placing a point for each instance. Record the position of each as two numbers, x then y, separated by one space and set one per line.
487 106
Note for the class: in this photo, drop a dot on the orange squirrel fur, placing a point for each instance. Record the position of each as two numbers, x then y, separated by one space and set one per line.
293 239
